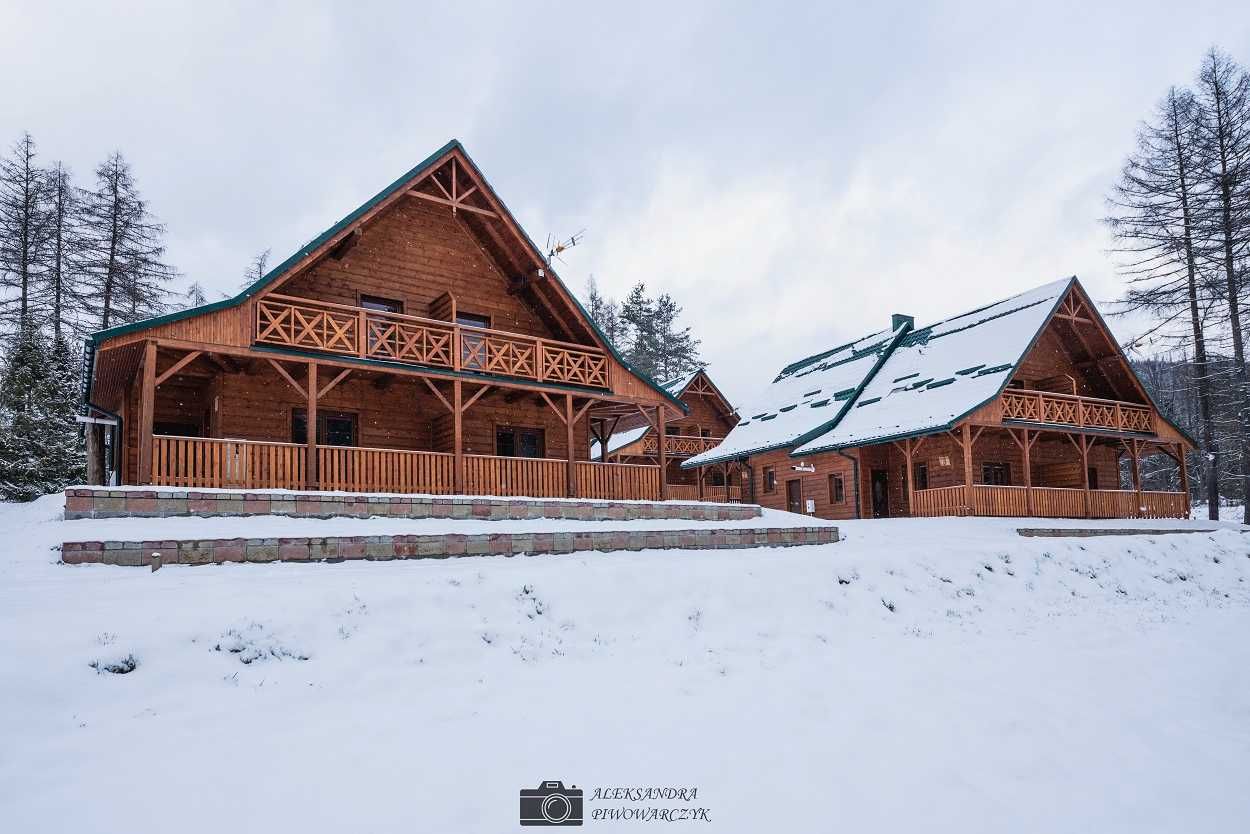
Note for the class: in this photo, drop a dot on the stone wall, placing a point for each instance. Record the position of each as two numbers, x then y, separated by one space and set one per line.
102 502
337 548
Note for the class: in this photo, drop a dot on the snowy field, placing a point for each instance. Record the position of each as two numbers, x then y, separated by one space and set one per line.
923 675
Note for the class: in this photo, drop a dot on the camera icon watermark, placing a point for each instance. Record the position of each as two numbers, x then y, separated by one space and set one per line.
551 804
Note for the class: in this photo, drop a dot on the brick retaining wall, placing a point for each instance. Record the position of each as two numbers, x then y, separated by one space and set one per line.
208 551
101 502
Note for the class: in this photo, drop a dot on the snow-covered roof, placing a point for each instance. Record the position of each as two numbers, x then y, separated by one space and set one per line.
900 384
619 440
677 385
806 396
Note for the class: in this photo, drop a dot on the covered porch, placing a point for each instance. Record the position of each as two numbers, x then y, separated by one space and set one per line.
214 417
1020 471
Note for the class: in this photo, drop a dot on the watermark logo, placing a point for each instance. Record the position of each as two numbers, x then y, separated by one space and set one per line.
551 804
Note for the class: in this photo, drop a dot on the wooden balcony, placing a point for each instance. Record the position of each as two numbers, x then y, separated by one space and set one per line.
249 464
306 324
1079 412
1049 502
679 445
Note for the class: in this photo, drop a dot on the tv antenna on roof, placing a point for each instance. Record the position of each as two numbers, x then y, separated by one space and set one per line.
555 246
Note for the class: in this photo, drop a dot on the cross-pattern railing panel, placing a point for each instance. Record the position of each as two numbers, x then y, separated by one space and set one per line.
679 445
370 334
1082 412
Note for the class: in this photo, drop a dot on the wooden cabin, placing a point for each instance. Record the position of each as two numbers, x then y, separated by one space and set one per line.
1025 407
421 344
709 417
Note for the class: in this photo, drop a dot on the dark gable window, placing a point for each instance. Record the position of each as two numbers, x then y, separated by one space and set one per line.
837 492
473 320
995 474
922 476
513 442
382 305
770 479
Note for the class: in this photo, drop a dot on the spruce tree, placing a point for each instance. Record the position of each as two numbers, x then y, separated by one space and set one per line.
122 259
23 232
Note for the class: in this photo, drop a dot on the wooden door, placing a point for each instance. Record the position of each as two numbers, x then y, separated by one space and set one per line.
794 496
880 493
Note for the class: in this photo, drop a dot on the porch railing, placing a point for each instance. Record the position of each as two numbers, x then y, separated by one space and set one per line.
679 445
212 463
1082 412
1049 502
303 323
354 469
627 481
531 477
715 494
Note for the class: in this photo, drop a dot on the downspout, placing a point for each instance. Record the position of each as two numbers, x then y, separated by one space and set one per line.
855 476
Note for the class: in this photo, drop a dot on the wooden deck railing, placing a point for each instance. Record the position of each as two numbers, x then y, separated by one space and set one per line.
370 334
1082 412
627 481
207 462
715 494
530 477
1049 502
679 445
354 469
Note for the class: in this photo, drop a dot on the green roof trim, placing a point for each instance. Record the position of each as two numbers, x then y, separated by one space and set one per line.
339 227
973 369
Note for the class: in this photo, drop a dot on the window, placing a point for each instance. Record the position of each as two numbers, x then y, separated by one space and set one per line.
770 479
334 428
1092 474
383 305
472 320
837 492
176 429
672 430
995 474
922 476
705 432
512 442
718 478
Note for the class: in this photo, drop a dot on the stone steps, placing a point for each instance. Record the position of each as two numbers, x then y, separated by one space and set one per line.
105 502
434 546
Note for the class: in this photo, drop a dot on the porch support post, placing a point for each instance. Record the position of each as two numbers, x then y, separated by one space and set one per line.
310 428
570 476
699 474
457 471
1180 457
910 475
1135 452
967 435
147 406
1028 473
95 454
1085 471
662 445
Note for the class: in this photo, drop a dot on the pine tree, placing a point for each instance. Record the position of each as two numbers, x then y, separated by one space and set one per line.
23 231
1223 94
124 275
195 295
1153 218
62 248
677 350
638 317
605 313
256 270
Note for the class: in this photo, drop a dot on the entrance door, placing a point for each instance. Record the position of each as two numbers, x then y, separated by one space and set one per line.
794 496
880 493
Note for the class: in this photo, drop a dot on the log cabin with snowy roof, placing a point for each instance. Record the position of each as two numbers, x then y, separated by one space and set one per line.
709 417
421 344
1024 407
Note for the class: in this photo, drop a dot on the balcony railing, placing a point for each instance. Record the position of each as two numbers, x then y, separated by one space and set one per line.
679 445
370 334
1081 412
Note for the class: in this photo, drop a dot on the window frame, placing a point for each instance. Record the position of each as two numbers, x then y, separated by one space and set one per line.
516 432
922 474
381 303
769 475
837 488
995 466
323 416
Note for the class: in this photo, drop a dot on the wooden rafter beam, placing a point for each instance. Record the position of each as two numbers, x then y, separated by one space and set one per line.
434 390
178 366
476 396
290 379
342 375
453 203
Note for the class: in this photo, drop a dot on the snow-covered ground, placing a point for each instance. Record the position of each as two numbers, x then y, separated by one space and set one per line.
922 675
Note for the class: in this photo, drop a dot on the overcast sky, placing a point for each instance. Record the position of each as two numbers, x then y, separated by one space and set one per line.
792 175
